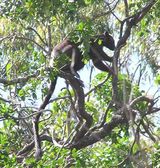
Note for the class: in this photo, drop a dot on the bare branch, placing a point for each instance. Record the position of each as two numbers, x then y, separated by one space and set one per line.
99 85
35 120
4 38
100 134
18 80
141 98
77 86
96 16
49 41
58 98
103 120
31 28
131 21
146 128
126 8
30 146
5 100
23 38
33 41
31 115
111 10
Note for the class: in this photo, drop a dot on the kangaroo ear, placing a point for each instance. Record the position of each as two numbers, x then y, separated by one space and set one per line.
106 33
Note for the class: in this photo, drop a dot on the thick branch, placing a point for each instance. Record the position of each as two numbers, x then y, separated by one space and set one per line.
35 120
98 135
30 146
77 86
141 98
131 21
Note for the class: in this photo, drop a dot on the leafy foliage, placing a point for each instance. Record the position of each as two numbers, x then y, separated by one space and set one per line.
124 131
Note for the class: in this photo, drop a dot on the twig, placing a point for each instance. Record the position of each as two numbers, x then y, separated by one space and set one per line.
33 41
98 86
5 100
31 28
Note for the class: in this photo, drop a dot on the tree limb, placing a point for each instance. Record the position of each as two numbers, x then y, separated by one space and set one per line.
77 86
18 80
100 134
35 120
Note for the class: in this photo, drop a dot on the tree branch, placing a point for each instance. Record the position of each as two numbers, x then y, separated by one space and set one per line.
131 21
140 98
35 120
30 146
77 86
31 28
98 135
18 80
33 41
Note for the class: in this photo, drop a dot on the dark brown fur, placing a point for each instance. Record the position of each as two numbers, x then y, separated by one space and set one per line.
96 53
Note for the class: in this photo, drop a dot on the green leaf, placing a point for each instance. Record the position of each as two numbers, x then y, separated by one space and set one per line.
157 80
80 26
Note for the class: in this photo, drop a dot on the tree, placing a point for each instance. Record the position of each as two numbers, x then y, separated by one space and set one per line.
114 114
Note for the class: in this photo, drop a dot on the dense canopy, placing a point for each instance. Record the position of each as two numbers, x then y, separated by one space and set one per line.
79 117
